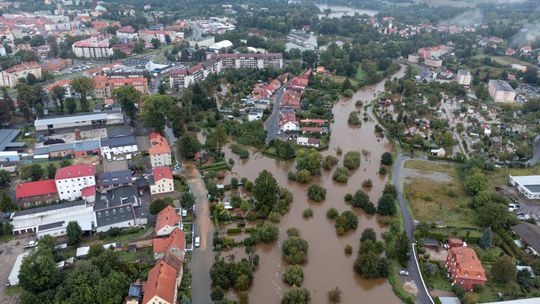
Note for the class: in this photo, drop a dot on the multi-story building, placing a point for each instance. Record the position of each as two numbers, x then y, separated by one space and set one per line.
464 77
120 141
161 180
167 220
94 47
465 268
161 35
104 86
74 182
126 34
107 181
161 286
36 193
10 77
174 243
253 61
160 152
501 91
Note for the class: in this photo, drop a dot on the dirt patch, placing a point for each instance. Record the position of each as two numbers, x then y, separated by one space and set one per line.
438 177
435 255
410 287
114 165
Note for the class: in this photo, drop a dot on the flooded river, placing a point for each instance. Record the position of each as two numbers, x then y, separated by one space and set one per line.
327 265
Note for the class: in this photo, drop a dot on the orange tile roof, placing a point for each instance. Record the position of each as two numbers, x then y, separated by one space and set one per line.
167 217
161 173
177 239
23 66
158 144
467 263
161 282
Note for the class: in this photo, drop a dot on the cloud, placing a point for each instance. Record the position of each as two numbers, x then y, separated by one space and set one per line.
469 18
528 33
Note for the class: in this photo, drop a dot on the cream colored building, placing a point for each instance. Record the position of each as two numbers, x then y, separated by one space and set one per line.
464 77
162 181
501 91
11 76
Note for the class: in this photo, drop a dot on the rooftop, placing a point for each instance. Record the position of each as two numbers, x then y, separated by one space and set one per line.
75 171
177 239
158 144
161 282
29 189
500 85
167 217
106 179
65 119
529 233
159 173
48 208
113 215
8 137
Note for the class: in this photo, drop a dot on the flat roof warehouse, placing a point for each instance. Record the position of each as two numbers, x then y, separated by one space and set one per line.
529 185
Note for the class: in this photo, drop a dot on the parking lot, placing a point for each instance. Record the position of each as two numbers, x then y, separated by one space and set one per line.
11 250
527 206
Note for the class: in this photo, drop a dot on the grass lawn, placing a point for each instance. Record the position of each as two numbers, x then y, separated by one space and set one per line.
505 60
440 282
437 201
140 254
487 256
360 75
340 79
122 238
499 177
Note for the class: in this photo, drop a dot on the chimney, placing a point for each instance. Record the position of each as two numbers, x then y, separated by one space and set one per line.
78 134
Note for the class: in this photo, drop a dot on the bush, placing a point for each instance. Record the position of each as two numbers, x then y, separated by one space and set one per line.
293 275
367 183
240 151
296 295
382 171
341 175
347 93
316 193
360 199
368 234
354 119
386 159
329 162
307 213
346 221
332 213
303 176
386 205
348 249
234 230
352 160
334 296
294 250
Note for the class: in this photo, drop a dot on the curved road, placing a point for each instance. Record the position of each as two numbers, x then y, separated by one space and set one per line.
423 296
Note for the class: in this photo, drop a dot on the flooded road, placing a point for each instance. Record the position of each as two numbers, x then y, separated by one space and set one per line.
327 265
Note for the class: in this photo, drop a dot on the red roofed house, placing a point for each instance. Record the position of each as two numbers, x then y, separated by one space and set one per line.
455 243
160 152
174 243
10 77
510 52
104 86
291 99
161 181
36 193
126 34
288 122
54 65
162 284
167 220
71 180
464 267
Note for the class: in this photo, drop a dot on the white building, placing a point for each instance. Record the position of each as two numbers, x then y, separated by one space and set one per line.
464 77
161 181
160 152
53 219
13 278
74 182
10 77
75 121
255 114
529 185
126 34
167 220
501 91
118 145
218 46
94 47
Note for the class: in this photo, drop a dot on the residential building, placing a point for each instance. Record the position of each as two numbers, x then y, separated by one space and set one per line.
54 65
104 86
255 114
162 284
119 208
160 152
501 91
465 268
72 181
94 47
119 141
126 34
464 77
288 122
433 62
107 181
161 180
167 220
10 77
174 244
161 35
37 193
254 61
53 219
308 142
74 121
76 149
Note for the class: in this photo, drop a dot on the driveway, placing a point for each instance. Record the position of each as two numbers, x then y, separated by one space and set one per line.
422 296
11 250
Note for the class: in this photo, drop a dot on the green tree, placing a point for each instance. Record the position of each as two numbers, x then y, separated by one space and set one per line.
189 145
58 93
368 234
155 110
155 43
128 97
494 215
284 149
83 86
475 182
74 233
51 170
351 160
525 279
159 204
341 175
334 296
32 172
504 270
346 221
293 275
71 105
310 160
486 239
296 295
401 247
267 233
265 191
217 294
316 193
386 205
39 272
7 204
187 200
294 250
329 162
5 178
360 199
353 119
386 159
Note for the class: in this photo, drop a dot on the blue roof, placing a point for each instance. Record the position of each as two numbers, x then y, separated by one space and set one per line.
78 146
8 137
135 291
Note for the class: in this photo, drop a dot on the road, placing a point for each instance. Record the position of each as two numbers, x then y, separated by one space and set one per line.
203 257
11 250
453 125
414 273
272 123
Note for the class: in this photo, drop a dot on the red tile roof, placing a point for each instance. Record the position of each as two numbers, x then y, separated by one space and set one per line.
75 171
23 66
167 217
126 29
88 191
177 239
161 172
158 144
38 188
161 282
287 117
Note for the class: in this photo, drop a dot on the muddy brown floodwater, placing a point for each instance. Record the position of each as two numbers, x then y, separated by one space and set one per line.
327 265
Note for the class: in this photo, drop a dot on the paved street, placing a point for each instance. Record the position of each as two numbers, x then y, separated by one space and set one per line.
453 125
11 250
272 123
423 295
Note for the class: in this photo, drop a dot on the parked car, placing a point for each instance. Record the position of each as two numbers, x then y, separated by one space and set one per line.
403 272
512 207
197 241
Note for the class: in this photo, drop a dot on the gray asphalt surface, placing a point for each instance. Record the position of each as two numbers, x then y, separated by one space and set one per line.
414 273
272 123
